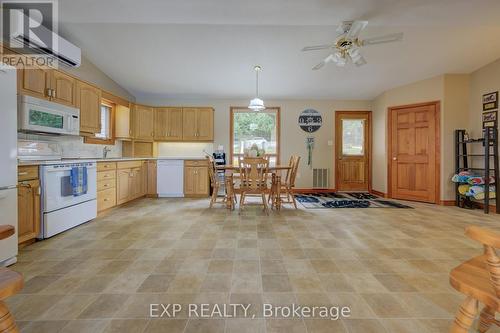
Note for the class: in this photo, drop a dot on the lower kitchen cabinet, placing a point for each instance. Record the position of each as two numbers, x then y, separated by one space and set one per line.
28 204
196 178
132 180
106 185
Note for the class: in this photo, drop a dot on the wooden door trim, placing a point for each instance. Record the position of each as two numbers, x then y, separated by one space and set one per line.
233 109
338 114
437 134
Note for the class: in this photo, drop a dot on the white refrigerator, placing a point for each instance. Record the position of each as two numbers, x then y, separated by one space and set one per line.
8 161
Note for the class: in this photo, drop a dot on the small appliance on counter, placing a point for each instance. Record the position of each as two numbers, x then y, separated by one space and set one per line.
220 159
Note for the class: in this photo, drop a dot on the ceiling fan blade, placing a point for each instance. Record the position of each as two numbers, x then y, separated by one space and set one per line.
317 47
383 39
323 62
360 61
356 28
339 59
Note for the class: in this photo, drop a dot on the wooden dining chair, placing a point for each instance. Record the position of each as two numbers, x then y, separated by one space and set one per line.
253 180
215 183
479 279
10 284
289 182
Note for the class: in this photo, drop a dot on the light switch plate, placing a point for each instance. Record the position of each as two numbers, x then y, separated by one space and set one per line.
330 142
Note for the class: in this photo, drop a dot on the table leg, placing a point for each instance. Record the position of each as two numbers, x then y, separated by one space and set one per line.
229 192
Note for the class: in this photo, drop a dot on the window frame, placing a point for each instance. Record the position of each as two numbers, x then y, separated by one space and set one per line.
111 140
238 109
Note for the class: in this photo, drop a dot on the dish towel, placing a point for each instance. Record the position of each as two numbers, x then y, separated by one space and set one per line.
78 180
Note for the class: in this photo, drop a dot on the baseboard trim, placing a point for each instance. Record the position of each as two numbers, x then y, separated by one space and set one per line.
313 190
378 193
447 202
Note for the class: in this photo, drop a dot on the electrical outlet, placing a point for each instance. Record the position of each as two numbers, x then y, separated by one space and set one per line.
330 142
298 174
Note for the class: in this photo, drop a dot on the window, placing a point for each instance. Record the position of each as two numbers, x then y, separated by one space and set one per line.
260 129
106 134
105 123
353 141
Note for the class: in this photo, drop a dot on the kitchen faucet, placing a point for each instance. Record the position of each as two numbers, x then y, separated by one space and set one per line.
105 151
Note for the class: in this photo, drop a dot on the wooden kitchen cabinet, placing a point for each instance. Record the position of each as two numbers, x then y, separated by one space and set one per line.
106 185
151 190
34 82
63 88
123 186
123 126
28 210
198 124
89 101
48 84
131 180
143 128
28 203
168 124
196 178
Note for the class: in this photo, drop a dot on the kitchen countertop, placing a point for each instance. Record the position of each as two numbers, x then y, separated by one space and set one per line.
111 159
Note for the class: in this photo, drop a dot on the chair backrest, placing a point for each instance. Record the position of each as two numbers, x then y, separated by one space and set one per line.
293 171
253 173
212 171
490 241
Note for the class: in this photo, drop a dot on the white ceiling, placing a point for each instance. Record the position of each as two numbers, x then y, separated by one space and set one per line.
207 48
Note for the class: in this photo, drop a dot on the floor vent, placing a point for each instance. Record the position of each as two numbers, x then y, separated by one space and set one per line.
320 178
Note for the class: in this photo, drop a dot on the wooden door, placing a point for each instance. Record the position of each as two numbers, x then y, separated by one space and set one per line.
122 186
28 197
144 121
353 150
413 152
189 124
89 102
34 82
205 124
63 88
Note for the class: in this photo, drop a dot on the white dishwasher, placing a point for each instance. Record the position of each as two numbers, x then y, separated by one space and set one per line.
170 178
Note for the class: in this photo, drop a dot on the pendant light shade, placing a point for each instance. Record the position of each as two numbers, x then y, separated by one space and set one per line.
257 104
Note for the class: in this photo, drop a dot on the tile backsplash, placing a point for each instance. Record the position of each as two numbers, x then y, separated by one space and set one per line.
73 146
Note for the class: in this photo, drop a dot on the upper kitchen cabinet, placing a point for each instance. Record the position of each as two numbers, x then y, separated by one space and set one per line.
123 128
143 123
198 124
47 84
168 124
88 99
63 88
34 82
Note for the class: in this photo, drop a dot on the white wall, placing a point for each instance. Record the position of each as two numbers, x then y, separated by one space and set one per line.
292 137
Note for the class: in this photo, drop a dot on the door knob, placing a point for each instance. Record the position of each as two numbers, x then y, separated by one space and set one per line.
394 158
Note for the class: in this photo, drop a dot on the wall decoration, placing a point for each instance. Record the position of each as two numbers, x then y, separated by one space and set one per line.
490 101
489 124
489 116
310 120
310 147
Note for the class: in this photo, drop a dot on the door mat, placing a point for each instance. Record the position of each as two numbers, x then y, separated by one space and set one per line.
345 200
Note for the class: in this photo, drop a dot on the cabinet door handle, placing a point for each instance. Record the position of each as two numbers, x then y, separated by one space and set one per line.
106 199
24 173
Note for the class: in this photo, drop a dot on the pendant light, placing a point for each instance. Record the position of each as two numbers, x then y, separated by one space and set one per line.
257 104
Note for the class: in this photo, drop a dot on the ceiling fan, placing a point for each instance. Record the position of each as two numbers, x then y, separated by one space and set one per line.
347 45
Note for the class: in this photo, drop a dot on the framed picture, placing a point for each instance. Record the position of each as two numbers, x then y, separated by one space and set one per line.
489 116
490 101
489 124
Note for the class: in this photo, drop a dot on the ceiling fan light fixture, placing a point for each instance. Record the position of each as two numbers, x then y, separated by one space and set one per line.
257 104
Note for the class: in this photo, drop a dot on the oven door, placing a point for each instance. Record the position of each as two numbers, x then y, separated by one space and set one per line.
56 190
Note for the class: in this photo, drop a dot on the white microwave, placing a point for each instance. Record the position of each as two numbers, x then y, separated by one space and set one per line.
41 116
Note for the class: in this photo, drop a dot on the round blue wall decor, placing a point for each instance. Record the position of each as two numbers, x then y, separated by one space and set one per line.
310 120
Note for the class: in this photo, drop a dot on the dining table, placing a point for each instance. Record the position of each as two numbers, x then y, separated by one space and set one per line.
274 170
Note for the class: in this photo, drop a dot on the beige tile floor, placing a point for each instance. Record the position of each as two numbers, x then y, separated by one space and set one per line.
390 266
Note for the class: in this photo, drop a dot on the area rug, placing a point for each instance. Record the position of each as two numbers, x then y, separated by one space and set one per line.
345 200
